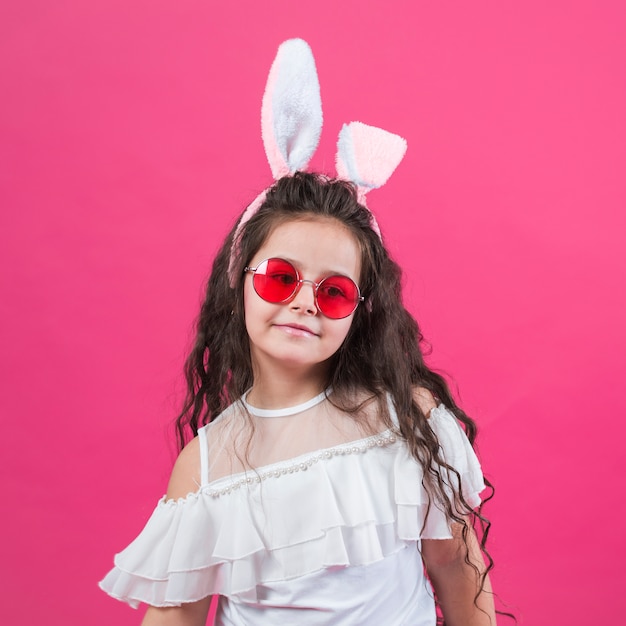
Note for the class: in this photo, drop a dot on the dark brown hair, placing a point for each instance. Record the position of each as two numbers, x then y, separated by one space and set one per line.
380 355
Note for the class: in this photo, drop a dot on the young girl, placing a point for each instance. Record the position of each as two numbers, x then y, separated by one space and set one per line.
328 480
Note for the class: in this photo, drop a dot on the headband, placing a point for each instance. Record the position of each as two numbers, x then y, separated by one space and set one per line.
291 124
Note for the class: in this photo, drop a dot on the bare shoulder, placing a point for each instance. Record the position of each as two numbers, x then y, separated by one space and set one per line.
185 478
425 400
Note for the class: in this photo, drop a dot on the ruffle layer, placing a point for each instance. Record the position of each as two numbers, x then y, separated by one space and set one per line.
350 505
458 453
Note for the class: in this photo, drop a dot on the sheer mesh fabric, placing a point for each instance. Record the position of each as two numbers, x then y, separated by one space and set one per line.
238 441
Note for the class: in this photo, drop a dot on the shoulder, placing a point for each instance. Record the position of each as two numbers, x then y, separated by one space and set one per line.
185 477
425 400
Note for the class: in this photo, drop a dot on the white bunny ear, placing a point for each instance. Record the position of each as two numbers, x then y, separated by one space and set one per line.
367 156
291 114
291 122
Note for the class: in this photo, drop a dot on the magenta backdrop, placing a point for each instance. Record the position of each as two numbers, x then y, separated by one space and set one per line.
130 141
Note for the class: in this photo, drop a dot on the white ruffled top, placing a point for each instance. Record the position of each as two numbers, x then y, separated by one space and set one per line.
334 531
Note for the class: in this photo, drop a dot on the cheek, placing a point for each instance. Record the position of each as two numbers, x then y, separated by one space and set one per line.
255 310
250 300
246 298
249 313
342 329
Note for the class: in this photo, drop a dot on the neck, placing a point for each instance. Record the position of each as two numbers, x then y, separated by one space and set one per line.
274 389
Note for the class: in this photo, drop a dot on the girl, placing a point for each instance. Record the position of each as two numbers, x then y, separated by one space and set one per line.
328 480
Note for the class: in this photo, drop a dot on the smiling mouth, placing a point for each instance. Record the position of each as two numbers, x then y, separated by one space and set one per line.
296 330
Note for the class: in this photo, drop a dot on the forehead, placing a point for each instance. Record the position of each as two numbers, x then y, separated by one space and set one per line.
317 245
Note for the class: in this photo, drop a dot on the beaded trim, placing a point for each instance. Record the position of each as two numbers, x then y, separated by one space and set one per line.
384 439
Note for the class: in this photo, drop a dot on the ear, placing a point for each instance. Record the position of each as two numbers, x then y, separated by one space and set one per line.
367 155
291 113
291 121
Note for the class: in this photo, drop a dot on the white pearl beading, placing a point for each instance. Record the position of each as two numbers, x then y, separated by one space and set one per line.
377 441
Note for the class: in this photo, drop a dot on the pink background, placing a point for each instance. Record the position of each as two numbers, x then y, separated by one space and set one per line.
130 142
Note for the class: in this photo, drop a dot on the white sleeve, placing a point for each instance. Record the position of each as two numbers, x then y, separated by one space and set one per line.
459 454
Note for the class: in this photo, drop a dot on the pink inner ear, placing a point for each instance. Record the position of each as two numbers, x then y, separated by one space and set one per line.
277 162
377 153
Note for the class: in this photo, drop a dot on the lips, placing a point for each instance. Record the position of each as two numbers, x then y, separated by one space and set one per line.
297 330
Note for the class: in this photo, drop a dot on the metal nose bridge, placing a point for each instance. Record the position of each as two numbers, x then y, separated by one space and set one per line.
313 284
306 280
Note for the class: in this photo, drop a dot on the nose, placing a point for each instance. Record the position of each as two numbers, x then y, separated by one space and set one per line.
304 299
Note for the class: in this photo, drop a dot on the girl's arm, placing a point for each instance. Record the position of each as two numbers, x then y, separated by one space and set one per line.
192 614
184 480
456 582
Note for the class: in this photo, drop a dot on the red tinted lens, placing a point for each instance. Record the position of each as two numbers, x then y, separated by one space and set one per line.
275 280
337 296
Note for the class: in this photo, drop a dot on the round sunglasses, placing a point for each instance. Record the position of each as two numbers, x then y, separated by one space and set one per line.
277 280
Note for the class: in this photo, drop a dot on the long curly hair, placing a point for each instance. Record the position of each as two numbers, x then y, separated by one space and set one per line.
380 355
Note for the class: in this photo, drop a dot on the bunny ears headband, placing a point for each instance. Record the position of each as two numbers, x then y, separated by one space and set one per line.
291 124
